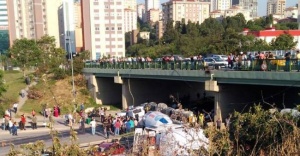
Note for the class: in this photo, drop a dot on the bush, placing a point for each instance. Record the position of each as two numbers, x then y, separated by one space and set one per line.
34 93
59 74
84 91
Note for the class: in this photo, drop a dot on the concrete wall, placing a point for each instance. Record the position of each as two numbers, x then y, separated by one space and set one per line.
104 90
158 91
242 97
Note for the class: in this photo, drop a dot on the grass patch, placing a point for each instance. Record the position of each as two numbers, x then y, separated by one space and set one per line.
14 82
57 92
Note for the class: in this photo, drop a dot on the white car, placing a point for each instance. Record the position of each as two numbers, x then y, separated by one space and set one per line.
133 111
210 61
222 57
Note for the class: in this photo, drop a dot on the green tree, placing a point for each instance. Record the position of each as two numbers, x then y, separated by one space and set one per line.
25 53
78 63
211 27
284 42
52 57
170 35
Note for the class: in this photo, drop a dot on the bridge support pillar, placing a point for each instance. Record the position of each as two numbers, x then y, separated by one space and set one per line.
212 86
124 99
127 99
95 89
217 105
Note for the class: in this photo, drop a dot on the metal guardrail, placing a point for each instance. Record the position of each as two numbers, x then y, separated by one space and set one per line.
247 65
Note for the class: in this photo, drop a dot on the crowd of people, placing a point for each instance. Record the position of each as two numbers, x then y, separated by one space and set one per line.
109 124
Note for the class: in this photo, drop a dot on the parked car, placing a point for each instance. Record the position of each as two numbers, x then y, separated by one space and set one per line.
222 57
110 149
210 61
91 62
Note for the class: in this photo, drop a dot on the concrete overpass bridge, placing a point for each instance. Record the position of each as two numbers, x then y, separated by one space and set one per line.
234 90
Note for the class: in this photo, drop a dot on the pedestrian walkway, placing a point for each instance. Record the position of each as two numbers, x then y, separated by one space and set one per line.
21 101
42 127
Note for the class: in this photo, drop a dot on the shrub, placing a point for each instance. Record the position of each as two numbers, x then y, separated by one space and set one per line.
59 73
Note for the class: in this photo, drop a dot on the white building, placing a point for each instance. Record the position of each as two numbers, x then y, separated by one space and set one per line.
130 4
103 27
69 26
141 11
276 7
130 20
151 5
251 5
220 4
190 10
291 12
234 10
144 35
3 14
271 33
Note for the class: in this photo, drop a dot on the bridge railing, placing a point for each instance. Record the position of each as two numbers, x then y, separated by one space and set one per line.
247 65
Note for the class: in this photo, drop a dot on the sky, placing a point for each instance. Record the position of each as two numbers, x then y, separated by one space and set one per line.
262 5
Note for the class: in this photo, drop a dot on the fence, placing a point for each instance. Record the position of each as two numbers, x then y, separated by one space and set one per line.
248 65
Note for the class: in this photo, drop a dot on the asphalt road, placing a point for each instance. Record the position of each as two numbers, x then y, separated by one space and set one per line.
64 136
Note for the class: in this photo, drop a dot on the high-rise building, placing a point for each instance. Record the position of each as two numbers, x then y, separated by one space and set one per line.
3 13
190 10
276 7
130 15
4 37
33 19
130 20
248 5
150 5
103 27
153 16
141 11
78 26
69 26
159 29
220 4
130 4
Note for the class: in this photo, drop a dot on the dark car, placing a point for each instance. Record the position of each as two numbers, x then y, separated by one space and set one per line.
109 148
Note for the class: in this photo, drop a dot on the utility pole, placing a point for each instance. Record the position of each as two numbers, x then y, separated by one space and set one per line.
72 69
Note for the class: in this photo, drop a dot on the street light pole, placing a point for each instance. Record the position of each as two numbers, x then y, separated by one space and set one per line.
73 85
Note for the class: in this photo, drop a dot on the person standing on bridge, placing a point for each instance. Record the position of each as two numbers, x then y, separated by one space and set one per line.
298 60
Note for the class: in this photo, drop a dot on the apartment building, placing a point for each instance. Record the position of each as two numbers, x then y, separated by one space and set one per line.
251 5
4 37
3 14
159 29
130 20
130 15
33 19
220 4
190 10
234 10
276 7
68 34
291 12
141 11
130 4
78 26
151 5
153 16
103 27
